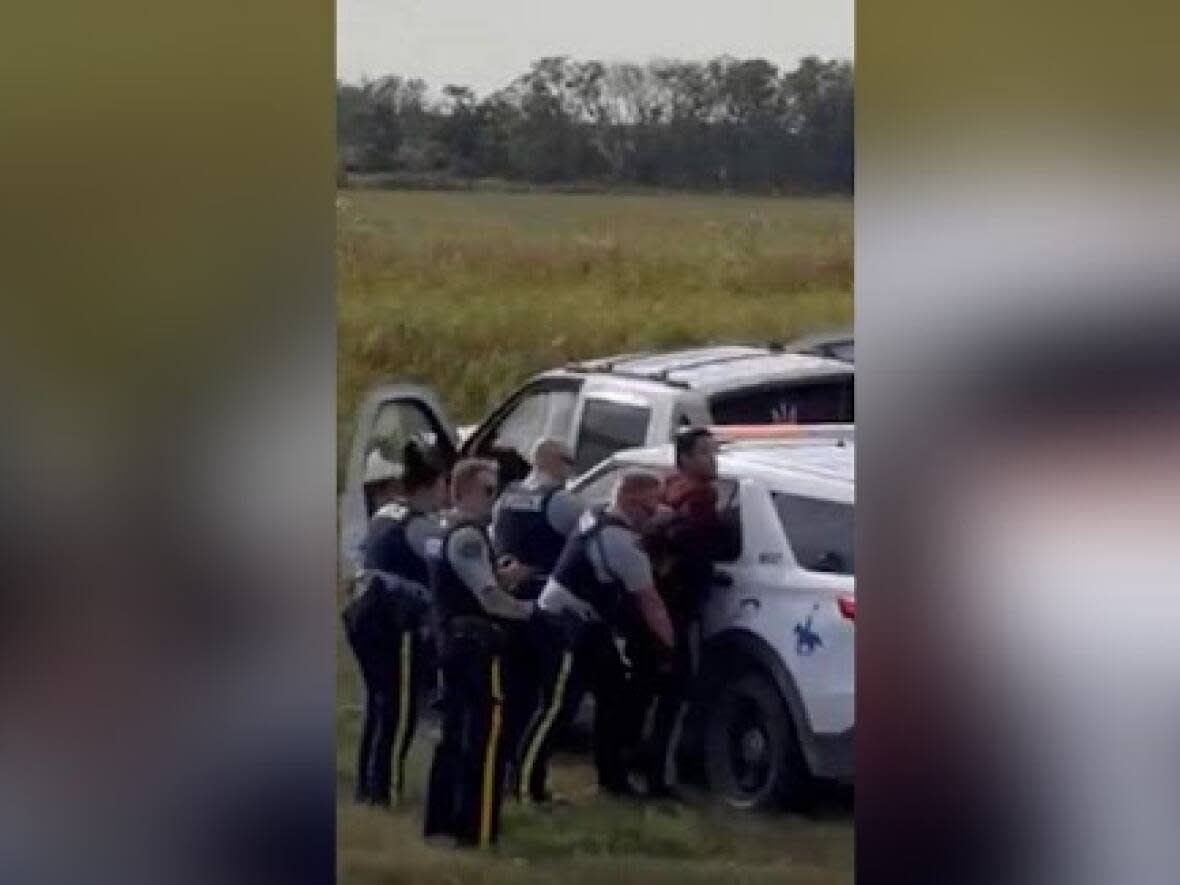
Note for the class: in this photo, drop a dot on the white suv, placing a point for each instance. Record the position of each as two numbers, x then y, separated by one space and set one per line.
600 407
775 695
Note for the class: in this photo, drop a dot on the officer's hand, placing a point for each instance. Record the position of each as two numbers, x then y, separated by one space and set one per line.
511 572
661 518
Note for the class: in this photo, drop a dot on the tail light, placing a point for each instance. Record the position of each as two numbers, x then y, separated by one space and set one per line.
847 604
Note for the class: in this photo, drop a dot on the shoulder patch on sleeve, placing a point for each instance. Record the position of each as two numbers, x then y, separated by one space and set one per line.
469 547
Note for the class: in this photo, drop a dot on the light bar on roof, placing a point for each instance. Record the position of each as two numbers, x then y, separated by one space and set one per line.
781 432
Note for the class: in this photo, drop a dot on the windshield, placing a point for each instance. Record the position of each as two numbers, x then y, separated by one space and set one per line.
821 533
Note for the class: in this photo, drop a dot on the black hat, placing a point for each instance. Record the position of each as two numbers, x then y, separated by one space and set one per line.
687 439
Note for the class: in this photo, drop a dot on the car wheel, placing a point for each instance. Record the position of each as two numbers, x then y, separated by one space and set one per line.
753 759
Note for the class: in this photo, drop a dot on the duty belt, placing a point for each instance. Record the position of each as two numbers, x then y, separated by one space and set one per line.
410 598
485 633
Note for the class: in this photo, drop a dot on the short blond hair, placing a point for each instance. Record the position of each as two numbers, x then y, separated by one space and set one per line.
634 482
467 471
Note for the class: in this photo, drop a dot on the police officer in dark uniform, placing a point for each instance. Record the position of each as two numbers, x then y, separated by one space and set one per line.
474 608
601 589
535 516
530 523
383 623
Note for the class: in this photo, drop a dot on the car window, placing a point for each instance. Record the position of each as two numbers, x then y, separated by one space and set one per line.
608 427
396 423
820 532
538 414
597 488
817 402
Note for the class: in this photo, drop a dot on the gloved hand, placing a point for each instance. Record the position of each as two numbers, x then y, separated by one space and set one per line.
511 572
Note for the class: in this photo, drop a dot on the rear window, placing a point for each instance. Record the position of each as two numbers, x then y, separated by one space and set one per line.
819 402
821 533
608 427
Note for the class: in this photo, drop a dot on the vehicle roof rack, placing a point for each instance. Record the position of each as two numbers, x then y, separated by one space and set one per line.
661 377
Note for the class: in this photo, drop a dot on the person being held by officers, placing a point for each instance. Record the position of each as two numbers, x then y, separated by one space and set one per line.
474 607
530 524
601 589
685 540
383 623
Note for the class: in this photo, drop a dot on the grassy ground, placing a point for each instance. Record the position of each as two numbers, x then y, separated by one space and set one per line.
594 840
471 293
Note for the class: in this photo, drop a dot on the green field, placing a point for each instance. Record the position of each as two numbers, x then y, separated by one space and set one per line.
472 292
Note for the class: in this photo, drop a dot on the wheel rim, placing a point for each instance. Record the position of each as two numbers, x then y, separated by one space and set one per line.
751 759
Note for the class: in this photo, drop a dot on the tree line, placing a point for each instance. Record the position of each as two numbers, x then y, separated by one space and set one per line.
727 123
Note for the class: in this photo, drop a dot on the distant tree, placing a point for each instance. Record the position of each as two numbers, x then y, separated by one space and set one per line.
727 122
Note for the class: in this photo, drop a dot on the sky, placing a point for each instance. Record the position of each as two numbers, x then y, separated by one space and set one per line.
485 44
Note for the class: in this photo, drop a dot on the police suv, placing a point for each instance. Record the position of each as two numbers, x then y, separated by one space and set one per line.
774 701
600 407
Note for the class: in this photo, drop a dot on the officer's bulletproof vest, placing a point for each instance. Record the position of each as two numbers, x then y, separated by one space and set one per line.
522 527
387 548
452 597
575 571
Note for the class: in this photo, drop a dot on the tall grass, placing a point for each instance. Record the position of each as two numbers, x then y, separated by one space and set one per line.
473 292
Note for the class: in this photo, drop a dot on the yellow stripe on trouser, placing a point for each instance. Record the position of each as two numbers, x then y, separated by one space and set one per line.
489 762
546 723
403 711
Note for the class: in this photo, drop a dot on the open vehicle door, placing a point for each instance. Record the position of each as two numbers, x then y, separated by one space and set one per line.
388 417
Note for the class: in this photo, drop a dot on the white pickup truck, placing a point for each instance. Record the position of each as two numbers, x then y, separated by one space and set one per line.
774 702
600 407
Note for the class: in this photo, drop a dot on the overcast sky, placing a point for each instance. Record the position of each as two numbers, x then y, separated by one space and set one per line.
486 43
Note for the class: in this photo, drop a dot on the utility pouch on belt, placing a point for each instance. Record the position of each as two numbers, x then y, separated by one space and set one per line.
410 600
370 616
384 608
569 626
483 633
410 605
530 588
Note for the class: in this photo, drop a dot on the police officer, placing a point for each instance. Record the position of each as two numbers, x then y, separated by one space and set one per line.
531 522
383 623
381 485
601 588
533 518
473 608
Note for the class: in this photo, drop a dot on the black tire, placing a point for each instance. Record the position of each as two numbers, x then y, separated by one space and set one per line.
752 755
